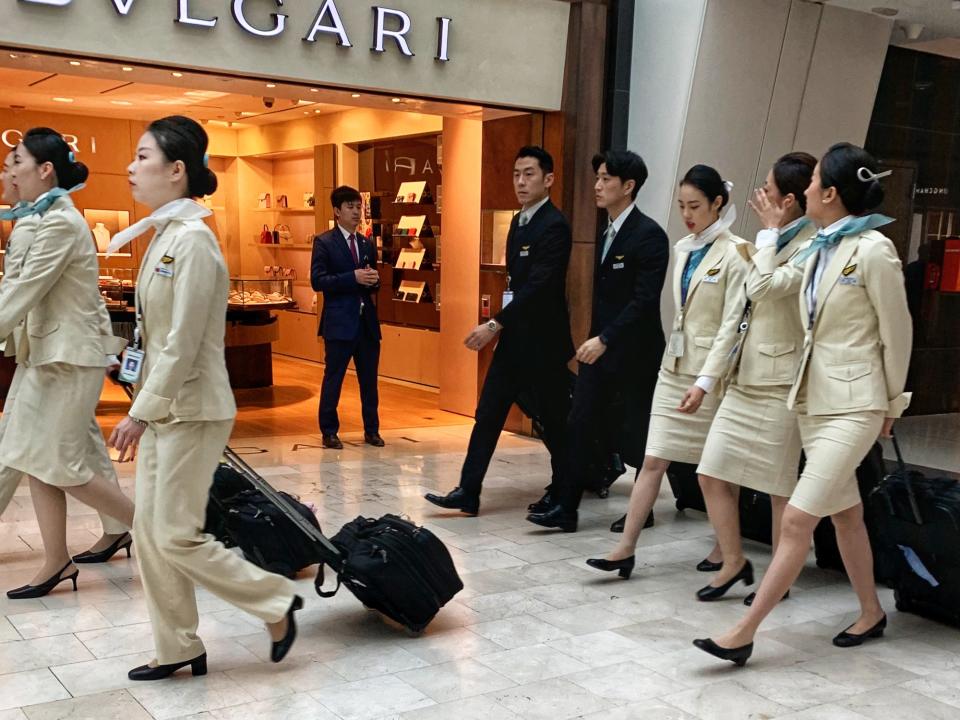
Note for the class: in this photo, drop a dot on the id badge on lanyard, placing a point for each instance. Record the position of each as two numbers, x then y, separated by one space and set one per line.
507 295
131 362
675 345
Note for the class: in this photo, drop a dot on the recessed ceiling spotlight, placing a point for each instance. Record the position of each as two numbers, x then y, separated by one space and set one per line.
75 63
318 89
127 68
355 95
14 56
120 102
247 113
271 85
306 112
396 100
177 74
318 111
63 99
886 11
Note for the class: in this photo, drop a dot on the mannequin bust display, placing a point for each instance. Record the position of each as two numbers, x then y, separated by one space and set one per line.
102 235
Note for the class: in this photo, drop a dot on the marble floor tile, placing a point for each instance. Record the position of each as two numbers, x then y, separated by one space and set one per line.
474 708
497 606
943 687
455 680
371 699
373 660
895 703
113 641
724 701
597 649
14 714
794 688
99 676
289 707
556 699
532 664
625 682
117 705
451 644
647 710
828 711
913 655
7 631
21 655
585 619
856 670
186 695
58 622
519 631
30 687
301 673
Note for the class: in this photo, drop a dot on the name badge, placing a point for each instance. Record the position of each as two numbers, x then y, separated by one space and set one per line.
849 280
163 271
618 266
712 279
131 365
524 253
675 346
507 298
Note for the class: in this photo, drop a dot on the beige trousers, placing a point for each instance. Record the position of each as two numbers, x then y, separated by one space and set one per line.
175 469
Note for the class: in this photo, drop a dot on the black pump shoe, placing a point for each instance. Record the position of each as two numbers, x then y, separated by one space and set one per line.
555 517
198 666
34 591
456 499
748 600
848 639
738 655
279 649
709 592
618 525
121 543
623 567
708 565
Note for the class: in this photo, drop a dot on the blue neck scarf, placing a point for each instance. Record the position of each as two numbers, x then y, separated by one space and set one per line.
787 235
25 209
853 226
693 262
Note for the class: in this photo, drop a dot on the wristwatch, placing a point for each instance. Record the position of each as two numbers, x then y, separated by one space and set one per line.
138 421
493 325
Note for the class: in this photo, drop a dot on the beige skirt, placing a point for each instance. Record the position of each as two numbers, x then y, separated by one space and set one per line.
674 435
835 445
754 441
49 429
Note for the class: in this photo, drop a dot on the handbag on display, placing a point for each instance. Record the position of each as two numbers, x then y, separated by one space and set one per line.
281 201
263 201
266 237
282 234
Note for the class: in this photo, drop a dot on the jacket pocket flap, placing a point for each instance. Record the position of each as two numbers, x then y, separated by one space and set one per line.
703 341
776 349
849 372
43 329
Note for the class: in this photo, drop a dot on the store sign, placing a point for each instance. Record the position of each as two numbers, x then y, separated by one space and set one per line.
389 25
11 137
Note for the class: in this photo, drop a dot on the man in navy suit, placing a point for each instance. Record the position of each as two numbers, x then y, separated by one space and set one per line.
343 268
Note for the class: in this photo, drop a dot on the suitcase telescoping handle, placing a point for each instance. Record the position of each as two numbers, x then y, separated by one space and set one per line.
905 474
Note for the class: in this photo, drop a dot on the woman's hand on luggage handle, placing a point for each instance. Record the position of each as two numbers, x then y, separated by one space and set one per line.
591 351
125 438
692 400
770 214
887 430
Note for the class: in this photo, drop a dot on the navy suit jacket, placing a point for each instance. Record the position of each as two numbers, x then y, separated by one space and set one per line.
332 273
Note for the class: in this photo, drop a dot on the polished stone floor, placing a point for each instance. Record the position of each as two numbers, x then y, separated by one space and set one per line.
534 634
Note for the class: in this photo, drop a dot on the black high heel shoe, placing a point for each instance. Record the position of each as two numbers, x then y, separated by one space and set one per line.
748 600
121 543
738 655
623 567
34 591
279 649
709 592
708 565
848 639
198 666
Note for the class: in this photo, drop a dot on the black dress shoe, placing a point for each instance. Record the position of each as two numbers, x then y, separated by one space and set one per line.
555 517
279 649
709 592
26 592
738 655
623 567
618 525
708 565
456 499
542 505
198 666
373 439
748 600
332 442
121 543
848 639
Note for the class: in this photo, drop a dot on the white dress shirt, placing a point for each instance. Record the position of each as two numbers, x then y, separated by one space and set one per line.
826 255
768 237
616 224
526 215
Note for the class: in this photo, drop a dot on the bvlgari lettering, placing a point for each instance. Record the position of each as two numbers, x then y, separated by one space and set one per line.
390 26
11 137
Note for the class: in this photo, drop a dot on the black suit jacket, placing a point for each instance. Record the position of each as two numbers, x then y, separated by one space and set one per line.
627 285
536 325
331 272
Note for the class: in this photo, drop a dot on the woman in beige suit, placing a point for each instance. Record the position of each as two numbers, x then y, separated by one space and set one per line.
62 349
709 295
183 410
771 337
848 389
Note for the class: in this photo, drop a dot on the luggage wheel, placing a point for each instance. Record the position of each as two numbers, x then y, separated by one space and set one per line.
603 493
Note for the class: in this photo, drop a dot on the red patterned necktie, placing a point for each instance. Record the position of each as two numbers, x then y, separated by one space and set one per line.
353 250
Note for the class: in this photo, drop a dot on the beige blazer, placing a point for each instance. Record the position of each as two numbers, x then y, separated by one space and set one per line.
856 354
182 308
770 350
55 295
16 251
715 302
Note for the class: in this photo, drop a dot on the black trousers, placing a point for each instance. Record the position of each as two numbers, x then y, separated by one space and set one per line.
365 353
506 380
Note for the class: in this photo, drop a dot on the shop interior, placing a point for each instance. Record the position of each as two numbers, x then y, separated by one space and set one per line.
278 150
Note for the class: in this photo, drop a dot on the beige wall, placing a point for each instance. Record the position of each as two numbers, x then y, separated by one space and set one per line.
494 56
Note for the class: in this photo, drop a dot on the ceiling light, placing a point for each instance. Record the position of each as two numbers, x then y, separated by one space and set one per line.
318 89
75 63
396 100
355 95
317 111
63 99
306 112
120 102
271 85
177 74
247 114
14 56
127 68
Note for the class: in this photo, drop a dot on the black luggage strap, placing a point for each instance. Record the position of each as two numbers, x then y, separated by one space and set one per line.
318 584
905 474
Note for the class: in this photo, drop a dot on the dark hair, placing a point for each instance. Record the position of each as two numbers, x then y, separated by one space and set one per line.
708 181
536 152
47 145
183 139
792 174
344 194
840 169
625 165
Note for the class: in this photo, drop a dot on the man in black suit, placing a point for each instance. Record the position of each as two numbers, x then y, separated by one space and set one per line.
622 356
343 268
533 331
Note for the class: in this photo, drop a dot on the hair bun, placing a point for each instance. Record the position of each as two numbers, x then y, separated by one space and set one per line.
211 182
874 195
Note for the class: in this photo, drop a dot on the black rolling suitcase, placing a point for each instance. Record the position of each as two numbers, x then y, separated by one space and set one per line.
917 535
686 486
